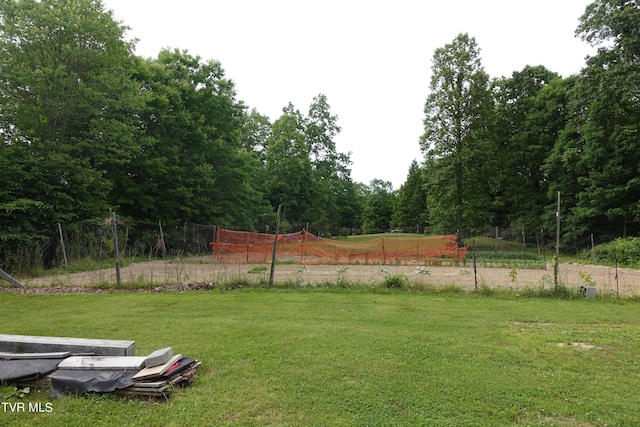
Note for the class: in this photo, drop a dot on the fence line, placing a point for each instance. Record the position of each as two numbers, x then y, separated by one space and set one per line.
204 271
94 240
304 247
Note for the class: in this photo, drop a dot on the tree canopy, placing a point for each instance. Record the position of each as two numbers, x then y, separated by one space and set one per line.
534 134
86 126
68 103
456 123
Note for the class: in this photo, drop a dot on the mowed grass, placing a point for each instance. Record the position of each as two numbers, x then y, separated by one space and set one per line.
345 358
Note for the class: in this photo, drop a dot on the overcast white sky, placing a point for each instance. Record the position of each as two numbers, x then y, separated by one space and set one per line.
371 59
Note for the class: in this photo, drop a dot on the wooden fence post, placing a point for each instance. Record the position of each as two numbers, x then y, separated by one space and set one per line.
275 246
475 268
115 247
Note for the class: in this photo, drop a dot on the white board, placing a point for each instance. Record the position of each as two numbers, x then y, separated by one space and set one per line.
102 362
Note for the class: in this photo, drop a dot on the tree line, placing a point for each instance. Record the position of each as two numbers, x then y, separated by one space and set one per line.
498 151
87 126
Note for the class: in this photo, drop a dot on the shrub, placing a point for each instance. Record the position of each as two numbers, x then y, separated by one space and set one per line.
395 281
237 284
626 251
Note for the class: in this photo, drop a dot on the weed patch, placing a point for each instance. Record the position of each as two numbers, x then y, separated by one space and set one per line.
395 281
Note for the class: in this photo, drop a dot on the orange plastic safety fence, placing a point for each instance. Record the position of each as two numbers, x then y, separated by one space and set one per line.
307 248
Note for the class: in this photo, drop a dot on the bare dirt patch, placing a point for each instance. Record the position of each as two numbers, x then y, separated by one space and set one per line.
583 345
204 272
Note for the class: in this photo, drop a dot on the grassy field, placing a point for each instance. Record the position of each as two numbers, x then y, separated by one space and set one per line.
378 357
367 237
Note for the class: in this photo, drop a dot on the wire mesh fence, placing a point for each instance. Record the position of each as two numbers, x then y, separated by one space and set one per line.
94 240
204 270
183 253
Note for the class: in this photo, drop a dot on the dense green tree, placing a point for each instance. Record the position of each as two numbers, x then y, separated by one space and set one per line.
306 172
321 128
256 129
562 167
378 206
411 203
530 105
68 107
198 169
331 173
456 141
608 142
288 167
613 25
350 199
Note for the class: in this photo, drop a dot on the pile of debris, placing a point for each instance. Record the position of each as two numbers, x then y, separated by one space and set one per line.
75 366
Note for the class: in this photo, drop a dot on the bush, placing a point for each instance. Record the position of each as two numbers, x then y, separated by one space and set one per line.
237 284
626 251
395 281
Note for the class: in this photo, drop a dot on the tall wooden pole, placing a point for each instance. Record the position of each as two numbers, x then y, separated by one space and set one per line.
304 234
384 255
115 247
475 268
617 284
275 246
557 254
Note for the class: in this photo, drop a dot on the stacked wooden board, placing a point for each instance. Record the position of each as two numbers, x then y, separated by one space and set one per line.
69 371
162 372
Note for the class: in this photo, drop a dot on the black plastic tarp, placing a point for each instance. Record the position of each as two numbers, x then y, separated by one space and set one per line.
78 382
14 371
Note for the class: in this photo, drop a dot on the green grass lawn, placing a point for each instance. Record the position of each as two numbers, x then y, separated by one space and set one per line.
324 358
367 237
